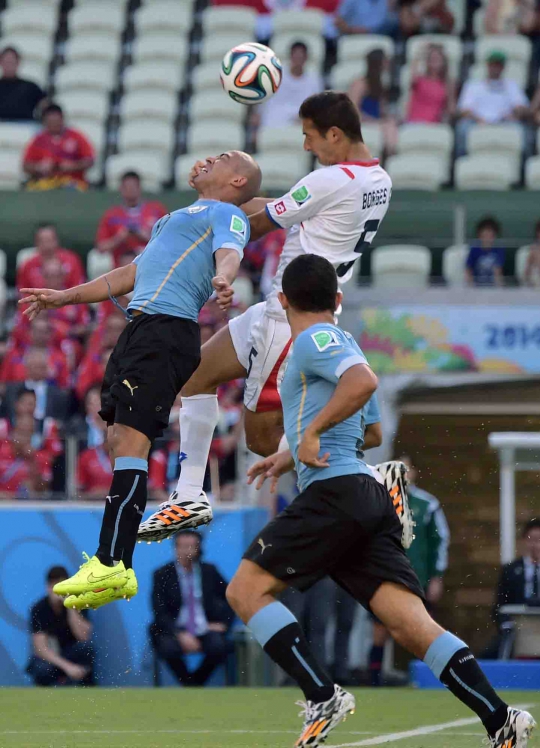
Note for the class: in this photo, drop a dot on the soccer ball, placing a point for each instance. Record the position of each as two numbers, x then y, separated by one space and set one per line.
250 73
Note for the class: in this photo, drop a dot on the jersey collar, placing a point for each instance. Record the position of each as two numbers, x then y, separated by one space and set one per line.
371 162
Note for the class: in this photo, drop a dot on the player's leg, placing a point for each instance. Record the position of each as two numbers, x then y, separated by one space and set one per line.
263 430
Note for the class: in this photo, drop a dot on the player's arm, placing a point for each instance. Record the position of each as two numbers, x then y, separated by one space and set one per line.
80 627
227 265
44 652
118 282
261 223
271 467
373 436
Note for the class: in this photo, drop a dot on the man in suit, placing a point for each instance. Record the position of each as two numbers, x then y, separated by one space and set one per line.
191 613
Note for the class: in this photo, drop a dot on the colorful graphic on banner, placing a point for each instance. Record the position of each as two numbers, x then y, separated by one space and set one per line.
498 339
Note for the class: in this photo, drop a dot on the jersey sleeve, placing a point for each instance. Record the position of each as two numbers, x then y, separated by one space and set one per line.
306 198
372 413
86 149
326 353
231 228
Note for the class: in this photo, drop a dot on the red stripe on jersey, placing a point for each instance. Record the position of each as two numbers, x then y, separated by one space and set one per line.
348 172
269 398
373 162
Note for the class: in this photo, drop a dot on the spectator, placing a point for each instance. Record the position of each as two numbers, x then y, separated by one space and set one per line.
532 268
89 428
24 472
428 555
485 261
433 94
58 156
370 94
425 17
50 400
510 17
191 613
282 109
62 652
490 101
30 273
19 98
375 17
22 402
535 103
15 364
126 228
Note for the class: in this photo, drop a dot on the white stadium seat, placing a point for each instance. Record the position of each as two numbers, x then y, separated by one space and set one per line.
505 138
149 104
32 47
314 42
153 171
373 138
92 47
149 135
42 3
453 264
214 46
207 106
280 140
520 263
35 70
100 18
3 263
206 78
280 172
239 20
417 172
227 136
515 47
162 75
486 171
33 18
15 136
358 46
99 75
307 20
168 16
94 131
92 105
425 139
400 266
515 70
160 46
98 263
23 255
452 46
346 72
532 173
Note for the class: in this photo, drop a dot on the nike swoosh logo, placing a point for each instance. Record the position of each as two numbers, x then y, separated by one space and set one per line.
92 578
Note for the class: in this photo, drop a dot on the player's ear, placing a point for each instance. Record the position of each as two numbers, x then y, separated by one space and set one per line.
339 299
283 300
239 181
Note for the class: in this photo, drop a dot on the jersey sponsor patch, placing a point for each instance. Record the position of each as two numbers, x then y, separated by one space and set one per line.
280 208
325 339
238 226
301 195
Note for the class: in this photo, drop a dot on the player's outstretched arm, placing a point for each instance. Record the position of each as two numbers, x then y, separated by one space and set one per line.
271 467
116 283
256 205
260 222
227 265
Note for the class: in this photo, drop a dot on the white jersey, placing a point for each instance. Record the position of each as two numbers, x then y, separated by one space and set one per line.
333 212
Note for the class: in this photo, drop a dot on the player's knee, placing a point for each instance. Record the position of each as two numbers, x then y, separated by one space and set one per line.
234 596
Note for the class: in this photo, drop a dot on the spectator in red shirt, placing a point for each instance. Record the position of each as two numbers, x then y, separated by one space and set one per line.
16 366
46 433
30 273
126 228
24 471
58 156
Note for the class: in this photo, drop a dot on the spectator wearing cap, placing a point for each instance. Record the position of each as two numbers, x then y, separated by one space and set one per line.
19 98
58 156
491 101
47 245
375 17
126 228
62 651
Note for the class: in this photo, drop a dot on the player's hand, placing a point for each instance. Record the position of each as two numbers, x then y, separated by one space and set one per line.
75 672
308 451
224 292
40 299
196 169
272 467
188 642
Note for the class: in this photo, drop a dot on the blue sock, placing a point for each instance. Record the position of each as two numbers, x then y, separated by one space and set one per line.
280 635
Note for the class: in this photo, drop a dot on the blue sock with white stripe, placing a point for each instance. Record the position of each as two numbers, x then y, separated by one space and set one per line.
453 663
280 635
124 508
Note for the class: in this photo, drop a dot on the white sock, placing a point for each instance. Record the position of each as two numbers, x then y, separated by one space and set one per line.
199 415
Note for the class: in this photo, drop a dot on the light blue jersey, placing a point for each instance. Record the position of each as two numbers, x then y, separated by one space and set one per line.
175 271
320 356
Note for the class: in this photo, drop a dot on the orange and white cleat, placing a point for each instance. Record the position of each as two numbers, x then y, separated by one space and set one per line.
321 719
394 475
175 515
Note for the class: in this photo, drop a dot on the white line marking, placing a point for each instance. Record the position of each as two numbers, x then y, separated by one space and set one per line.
426 730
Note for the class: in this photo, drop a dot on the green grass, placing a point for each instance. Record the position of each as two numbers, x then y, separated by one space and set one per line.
222 718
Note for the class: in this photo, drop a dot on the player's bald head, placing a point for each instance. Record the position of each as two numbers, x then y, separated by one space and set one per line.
246 166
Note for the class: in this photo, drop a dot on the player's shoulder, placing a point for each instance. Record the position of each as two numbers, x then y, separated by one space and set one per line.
231 218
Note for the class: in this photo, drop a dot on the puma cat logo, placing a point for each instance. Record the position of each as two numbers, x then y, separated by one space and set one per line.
130 388
263 546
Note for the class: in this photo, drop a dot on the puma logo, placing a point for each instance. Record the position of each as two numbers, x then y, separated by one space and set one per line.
130 388
137 509
263 546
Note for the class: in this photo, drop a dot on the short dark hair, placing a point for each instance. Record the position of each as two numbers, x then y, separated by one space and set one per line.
131 175
532 524
51 109
310 284
22 391
56 573
193 533
12 50
488 222
332 109
45 225
299 45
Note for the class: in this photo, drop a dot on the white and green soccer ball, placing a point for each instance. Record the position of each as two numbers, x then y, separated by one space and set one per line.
250 73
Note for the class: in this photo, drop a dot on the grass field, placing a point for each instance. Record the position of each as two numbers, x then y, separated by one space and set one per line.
230 718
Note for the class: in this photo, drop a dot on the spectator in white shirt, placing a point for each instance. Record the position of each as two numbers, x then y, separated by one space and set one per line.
491 101
297 85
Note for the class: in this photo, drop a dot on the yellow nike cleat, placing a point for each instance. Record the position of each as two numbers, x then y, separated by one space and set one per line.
95 599
92 576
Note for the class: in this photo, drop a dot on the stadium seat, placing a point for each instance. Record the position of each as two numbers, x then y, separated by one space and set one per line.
515 46
452 46
93 47
15 136
36 71
163 75
417 172
486 171
214 46
400 266
280 140
373 138
240 20
314 42
307 20
32 47
42 3
98 263
207 106
153 171
92 105
425 139
459 11
183 166
281 172
159 47
33 18
532 173
358 46
148 135
149 104
347 72
94 131
167 16
516 70
93 18
11 174
520 262
226 136
453 264
99 75
3 263
495 138
206 78
24 254
3 297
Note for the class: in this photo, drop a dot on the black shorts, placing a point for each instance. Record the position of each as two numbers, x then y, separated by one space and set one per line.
154 357
344 527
